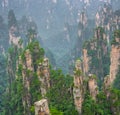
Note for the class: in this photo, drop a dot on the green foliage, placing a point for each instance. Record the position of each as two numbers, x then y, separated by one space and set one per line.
36 51
115 100
93 76
3 81
60 94
78 72
19 71
116 36
88 107
103 104
15 101
35 89
54 111
101 107
117 33
32 109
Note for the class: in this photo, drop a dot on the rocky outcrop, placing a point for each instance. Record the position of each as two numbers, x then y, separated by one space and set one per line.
115 60
27 73
41 107
78 89
92 84
115 63
86 60
29 62
44 76
13 39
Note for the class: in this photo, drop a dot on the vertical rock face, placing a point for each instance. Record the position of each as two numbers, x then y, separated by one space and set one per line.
95 52
41 107
78 89
28 60
115 62
44 76
106 85
93 88
13 39
86 60
27 73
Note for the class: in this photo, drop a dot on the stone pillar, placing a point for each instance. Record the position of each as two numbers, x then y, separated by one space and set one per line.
41 107
44 76
115 60
78 89
92 84
29 60
86 60
114 66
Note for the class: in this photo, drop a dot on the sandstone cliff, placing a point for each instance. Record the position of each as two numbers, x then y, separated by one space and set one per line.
78 89
115 61
86 61
92 85
41 107
44 76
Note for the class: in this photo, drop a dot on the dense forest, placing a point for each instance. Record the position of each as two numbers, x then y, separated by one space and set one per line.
76 72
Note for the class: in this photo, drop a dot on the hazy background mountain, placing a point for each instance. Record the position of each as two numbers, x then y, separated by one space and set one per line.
57 20
51 15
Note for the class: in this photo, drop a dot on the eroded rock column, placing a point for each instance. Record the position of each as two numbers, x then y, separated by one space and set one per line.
92 84
41 107
78 89
44 76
